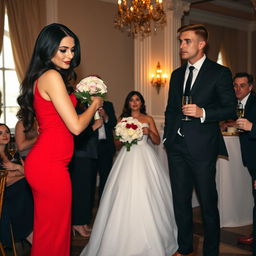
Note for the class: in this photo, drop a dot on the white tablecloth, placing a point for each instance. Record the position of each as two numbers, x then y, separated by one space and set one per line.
233 185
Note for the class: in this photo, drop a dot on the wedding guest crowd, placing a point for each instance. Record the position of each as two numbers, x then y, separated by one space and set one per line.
142 210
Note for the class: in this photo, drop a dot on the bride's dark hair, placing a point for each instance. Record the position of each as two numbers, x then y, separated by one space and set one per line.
46 47
127 110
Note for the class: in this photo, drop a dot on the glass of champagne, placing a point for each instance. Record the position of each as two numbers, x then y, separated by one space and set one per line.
186 99
240 112
12 147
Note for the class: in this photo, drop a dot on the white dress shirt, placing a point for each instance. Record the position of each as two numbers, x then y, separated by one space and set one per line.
197 66
244 100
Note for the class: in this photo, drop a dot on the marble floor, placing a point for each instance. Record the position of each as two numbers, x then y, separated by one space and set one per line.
228 245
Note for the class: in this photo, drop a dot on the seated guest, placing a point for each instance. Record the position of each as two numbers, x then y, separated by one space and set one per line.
18 202
243 85
25 140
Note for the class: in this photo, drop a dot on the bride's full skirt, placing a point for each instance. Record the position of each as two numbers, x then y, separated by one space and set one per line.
135 217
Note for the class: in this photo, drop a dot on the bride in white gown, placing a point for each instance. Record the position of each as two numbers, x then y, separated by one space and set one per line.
135 216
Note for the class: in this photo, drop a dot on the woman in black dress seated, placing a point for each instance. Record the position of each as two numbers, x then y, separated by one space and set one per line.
18 202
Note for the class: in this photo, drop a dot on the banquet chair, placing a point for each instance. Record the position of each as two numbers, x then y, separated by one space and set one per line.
3 177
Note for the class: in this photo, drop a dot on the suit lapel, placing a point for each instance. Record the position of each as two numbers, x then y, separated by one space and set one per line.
181 79
249 103
201 77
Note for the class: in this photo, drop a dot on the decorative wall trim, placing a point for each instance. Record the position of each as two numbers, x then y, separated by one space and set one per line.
142 64
233 5
221 20
174 12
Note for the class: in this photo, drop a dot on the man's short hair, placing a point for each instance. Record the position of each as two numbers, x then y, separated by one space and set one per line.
199 30
244 74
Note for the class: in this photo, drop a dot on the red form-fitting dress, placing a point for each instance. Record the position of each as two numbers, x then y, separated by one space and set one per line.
47 173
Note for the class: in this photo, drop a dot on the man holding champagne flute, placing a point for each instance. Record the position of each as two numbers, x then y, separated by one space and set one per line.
192 146
243 85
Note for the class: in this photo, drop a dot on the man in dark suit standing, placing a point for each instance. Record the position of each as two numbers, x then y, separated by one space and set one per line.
93 153
192 146
243 84
106 146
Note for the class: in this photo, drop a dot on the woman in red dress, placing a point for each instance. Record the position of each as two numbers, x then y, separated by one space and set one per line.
46 95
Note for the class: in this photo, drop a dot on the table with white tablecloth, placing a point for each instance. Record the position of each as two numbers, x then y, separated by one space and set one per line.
233 185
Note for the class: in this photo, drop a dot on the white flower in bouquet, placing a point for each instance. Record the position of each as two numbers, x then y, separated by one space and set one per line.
129 131
89 87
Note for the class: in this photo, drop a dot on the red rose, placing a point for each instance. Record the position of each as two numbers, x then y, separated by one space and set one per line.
134 126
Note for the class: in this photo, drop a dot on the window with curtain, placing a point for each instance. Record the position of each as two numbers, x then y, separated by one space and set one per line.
9 84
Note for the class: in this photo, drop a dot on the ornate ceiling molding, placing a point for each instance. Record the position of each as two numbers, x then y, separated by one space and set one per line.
218 19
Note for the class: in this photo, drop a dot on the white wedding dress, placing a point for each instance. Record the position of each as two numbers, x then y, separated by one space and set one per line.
135 217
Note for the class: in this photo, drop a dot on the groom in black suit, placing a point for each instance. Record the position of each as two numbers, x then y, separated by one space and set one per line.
192 146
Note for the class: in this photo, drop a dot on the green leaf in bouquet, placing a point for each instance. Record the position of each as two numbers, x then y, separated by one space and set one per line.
84 97
129 144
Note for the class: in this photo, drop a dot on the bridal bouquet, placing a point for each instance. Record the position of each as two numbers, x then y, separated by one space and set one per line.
88 87
129 131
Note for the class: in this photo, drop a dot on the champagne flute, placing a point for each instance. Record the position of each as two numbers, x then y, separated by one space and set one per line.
240 112
186 100
12 147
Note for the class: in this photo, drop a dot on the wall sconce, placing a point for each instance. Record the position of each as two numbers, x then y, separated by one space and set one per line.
158 79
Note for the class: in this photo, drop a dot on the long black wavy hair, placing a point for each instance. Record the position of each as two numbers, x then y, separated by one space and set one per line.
127 110
45 48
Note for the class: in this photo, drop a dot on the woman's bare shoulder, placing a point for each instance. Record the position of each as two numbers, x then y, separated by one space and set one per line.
51 80
50 74
149 118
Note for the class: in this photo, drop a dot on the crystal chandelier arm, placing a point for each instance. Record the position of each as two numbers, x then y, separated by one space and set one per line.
139 17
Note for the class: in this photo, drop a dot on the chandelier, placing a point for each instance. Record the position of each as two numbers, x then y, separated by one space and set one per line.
140 17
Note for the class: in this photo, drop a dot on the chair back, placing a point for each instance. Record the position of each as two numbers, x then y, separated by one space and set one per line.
3 176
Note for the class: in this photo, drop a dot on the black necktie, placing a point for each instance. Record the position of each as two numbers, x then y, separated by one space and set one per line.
189 81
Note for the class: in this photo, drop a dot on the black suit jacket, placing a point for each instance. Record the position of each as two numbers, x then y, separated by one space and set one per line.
109 126
248 138
212 90
86 143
